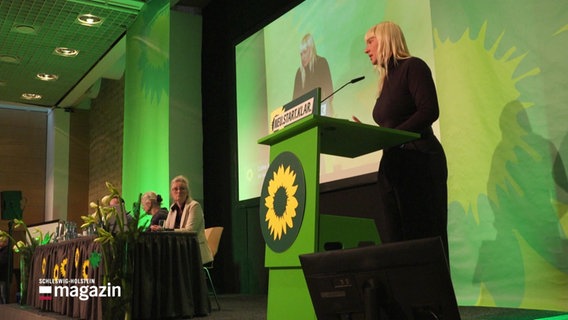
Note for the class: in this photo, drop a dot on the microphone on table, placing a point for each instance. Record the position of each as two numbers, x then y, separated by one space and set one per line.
343 86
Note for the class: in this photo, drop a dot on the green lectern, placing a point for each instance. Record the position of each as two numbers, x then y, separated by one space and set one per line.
306 139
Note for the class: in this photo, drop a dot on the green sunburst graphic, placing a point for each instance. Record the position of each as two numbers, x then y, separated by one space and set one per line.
501 190
476 87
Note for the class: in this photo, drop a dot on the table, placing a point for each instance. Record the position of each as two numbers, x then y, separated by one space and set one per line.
168 278
71 256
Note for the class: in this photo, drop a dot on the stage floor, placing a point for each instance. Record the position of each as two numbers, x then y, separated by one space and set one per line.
247 307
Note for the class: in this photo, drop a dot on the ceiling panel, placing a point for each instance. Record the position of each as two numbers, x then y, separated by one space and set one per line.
30 30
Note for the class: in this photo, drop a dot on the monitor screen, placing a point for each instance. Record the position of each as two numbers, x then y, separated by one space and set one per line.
395 281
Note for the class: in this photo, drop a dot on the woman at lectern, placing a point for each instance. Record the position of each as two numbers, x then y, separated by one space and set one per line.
412 177
186 215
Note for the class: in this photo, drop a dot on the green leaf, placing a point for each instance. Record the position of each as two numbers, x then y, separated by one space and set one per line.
95 259
46 238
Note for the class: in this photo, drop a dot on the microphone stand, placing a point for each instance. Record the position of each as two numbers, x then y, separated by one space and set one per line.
343 86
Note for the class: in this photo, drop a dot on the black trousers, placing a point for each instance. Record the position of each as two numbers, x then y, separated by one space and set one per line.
413 194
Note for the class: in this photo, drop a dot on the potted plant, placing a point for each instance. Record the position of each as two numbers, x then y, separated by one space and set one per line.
116 231
25 249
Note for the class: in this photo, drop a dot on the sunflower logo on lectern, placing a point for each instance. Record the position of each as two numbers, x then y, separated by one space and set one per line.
282 201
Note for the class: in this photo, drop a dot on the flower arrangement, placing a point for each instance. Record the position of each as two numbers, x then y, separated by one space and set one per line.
26 250
109 221
115 231
20 246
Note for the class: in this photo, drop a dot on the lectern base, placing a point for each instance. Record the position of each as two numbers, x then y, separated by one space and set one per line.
288 297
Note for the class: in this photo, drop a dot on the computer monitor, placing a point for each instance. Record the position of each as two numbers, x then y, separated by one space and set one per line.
395 281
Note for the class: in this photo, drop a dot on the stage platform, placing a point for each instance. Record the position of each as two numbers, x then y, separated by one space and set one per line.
247 307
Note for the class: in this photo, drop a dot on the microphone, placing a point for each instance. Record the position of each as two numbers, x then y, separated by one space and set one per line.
343 86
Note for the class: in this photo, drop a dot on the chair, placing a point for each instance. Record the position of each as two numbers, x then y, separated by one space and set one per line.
213 236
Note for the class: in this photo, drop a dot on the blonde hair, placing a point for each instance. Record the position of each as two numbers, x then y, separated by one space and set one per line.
308 43
183 180
151 198
390 44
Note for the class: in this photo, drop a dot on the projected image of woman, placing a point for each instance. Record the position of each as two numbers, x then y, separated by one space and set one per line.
312 73
412 177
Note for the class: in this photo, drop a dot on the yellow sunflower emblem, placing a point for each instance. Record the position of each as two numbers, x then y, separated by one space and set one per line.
77 256
85 268
281 201
63 268
56 272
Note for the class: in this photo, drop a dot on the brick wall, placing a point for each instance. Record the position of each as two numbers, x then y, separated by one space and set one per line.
78 183
23 137
106 127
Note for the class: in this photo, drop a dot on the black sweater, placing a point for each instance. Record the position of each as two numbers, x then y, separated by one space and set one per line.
408 99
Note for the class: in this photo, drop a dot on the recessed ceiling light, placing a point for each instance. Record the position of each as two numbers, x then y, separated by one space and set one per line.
47 77
31 96
9 58
24 28
66 52
89 20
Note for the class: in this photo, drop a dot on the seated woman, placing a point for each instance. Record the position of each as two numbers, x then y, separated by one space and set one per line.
152 205
186 215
